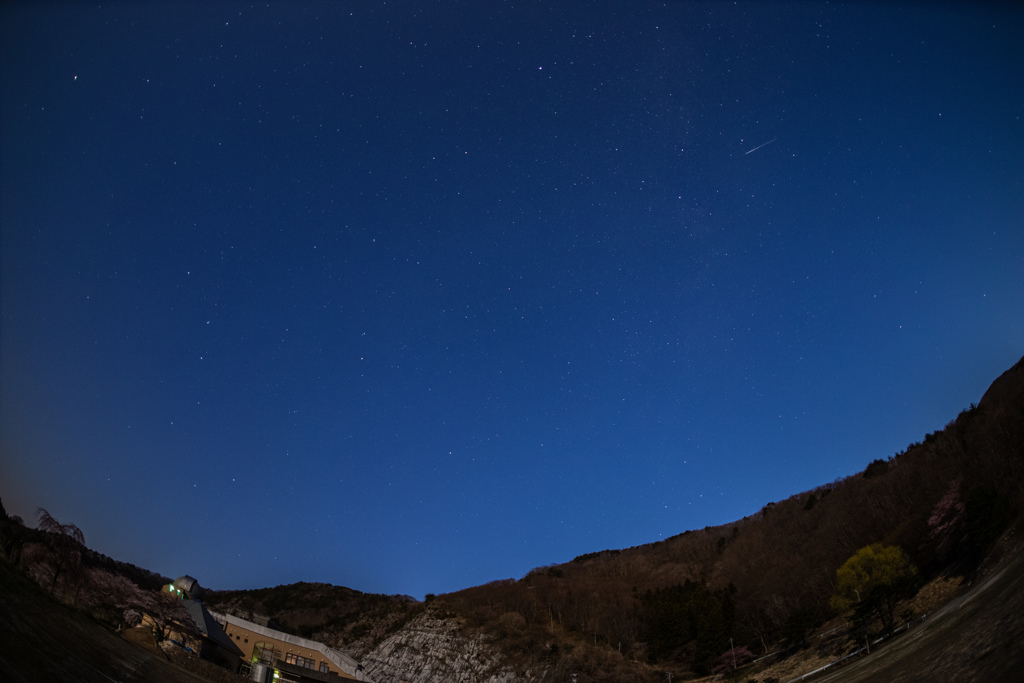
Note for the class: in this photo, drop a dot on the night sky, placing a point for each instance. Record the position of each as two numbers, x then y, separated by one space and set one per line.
416 295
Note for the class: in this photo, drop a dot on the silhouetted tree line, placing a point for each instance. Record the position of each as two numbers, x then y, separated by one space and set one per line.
55 556
336 615
61 547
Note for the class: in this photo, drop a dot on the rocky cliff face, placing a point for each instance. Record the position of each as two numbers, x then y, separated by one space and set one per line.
432 650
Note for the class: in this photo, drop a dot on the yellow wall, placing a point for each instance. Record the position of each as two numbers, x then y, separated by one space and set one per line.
246 641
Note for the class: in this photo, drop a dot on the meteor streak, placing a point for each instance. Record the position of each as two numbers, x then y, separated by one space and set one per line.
760 146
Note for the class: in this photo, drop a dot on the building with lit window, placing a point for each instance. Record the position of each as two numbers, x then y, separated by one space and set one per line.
214 645
274 656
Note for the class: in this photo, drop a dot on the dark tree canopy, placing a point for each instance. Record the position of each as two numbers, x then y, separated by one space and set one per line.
689 617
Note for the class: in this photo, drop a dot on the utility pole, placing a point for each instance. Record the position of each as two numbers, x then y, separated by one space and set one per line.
732 648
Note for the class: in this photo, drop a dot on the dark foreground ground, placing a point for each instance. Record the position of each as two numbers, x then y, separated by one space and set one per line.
41 640
978 636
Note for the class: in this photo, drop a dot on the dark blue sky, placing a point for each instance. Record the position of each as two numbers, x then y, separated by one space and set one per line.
413 296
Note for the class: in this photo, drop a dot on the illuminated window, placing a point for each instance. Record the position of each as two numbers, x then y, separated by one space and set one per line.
304 662
265 653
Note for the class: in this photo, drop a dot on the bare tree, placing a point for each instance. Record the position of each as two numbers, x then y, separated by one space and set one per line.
116 594
66 542
947 518
170 616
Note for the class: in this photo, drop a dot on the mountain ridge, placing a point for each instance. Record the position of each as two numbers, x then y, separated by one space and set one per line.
700 602
772 571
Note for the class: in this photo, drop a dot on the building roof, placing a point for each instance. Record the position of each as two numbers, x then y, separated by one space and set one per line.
210 627
340 659
189 585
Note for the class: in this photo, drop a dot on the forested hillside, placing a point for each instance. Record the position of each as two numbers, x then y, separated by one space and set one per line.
342 617
760 584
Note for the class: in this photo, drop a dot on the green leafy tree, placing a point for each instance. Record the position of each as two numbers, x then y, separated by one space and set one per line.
873 581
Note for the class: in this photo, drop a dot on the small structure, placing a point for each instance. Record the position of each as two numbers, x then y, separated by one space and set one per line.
185 587
274 655
215 645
